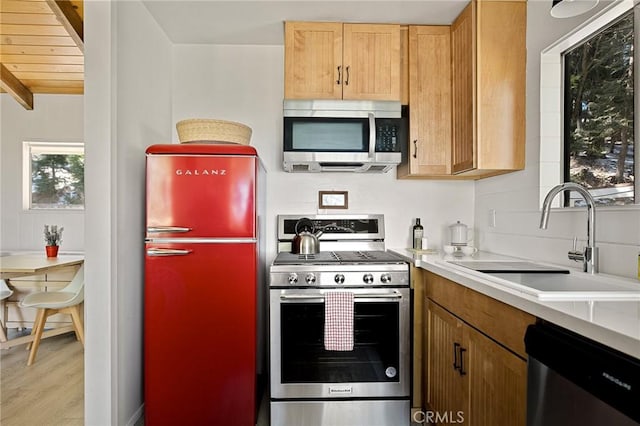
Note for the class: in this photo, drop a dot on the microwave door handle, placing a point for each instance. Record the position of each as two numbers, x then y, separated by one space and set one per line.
372 135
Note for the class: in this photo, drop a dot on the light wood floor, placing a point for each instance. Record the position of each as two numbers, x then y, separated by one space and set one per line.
49 392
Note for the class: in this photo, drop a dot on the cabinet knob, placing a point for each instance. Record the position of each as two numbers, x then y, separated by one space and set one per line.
339 77
346 82
415 148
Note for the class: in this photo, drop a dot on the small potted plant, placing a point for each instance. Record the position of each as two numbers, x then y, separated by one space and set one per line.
53 238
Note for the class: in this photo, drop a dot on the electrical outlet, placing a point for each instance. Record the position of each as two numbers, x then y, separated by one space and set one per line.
492 218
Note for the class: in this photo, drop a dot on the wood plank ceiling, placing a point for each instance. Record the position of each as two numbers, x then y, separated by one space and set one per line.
41 48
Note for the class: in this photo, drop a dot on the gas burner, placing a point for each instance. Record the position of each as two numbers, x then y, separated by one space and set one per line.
362 255
337 257
306 257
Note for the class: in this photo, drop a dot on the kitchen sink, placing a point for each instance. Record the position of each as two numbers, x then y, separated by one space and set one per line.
575 286
509 266
548 282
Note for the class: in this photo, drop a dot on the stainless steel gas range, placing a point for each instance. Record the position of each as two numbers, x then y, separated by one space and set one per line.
367 384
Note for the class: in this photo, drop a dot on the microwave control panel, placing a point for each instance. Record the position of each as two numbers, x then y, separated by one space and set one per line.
387 138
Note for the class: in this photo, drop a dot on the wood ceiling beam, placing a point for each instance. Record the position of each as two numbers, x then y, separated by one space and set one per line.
69 18
13 86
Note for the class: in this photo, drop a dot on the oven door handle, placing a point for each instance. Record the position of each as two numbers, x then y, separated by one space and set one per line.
394 296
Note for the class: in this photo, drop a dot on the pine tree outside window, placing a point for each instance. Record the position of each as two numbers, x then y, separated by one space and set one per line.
53 175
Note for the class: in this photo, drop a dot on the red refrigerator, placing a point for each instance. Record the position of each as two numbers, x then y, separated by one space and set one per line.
203 297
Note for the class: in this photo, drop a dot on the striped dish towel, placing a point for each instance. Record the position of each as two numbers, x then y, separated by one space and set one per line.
338 321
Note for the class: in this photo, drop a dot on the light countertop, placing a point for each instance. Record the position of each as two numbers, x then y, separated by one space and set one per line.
613 323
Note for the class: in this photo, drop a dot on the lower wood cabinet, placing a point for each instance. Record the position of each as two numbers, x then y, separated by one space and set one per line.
469 376
445 380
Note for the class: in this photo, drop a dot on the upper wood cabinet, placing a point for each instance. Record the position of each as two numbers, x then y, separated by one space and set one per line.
463 90
480 129
429 150
488 45
328 60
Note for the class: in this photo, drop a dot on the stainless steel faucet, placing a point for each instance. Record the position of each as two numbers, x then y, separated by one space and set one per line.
589 256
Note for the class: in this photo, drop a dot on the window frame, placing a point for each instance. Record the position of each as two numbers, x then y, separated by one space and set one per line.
552 100
50 147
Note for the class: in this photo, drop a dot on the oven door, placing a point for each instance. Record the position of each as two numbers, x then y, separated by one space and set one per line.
378 366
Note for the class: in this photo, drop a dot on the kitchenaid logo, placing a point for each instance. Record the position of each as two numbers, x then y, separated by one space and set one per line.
201 172
615 380
340 390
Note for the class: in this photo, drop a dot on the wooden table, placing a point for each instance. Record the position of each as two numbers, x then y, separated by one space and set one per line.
20 265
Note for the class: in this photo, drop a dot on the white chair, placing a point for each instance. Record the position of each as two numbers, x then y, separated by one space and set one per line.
65 301
5 293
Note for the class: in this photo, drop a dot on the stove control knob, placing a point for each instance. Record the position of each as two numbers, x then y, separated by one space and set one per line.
385 278
310 279
339 279
368 278
293 278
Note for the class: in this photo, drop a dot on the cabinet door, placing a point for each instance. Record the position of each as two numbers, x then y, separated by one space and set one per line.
429 151
371 62
312 55
501 84
463 59
444 390
496 382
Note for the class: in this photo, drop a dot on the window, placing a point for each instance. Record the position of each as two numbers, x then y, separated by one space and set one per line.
598 136
587 102
53 175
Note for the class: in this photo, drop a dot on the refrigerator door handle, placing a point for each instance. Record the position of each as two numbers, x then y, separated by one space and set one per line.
167 252
174 229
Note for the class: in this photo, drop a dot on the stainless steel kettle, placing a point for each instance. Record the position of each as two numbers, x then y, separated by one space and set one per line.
306 239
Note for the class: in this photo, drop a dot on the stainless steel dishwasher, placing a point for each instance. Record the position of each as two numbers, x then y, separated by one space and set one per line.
576 381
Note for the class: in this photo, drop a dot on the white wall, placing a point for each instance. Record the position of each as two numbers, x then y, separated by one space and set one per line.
515 197
55 118
245 83
128 99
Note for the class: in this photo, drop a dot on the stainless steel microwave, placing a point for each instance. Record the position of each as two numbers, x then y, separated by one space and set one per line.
343 136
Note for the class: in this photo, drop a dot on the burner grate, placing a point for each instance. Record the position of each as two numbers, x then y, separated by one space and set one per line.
337 257
309 257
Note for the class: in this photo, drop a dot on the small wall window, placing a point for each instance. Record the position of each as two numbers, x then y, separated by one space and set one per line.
53 175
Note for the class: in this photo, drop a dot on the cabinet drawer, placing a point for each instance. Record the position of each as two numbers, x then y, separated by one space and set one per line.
496 319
